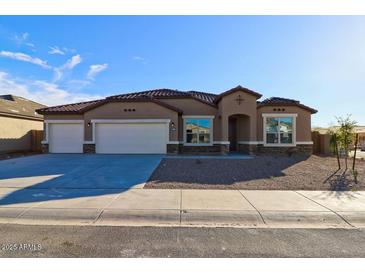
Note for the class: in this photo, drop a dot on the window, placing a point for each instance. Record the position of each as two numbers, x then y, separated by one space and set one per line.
198 131
279 130
272 125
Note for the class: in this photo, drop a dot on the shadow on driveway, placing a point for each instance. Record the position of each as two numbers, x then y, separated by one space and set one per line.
65 176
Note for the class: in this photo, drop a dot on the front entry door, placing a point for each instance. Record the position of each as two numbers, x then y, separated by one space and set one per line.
232 134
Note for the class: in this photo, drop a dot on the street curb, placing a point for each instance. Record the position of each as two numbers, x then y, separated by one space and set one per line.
188 218
247 218
357 219
303 219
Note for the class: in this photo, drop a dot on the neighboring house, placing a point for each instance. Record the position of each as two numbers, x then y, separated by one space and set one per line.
360 130
17 118
171 121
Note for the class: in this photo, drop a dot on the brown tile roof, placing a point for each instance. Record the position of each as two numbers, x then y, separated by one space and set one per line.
79 108
148 95
156 94
204 97
15 106
69 108
279 101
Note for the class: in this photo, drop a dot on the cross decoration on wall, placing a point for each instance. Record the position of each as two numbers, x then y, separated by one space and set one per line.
239 99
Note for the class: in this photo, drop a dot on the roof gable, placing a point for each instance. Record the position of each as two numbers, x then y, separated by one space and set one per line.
279 101
235 89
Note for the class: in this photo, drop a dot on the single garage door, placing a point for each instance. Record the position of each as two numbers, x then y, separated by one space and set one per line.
139 138
65 138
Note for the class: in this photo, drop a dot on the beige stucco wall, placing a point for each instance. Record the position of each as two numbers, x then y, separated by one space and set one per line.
229 106
15 133
63 117
191 106
144 110
195 107
60 117
303 121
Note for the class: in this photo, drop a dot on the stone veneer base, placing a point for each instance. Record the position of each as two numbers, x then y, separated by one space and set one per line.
299 149
260 149
221 149
245 148
89 148
214 149
45 148
173 148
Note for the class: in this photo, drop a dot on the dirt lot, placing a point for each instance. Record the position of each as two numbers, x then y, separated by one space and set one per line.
261 172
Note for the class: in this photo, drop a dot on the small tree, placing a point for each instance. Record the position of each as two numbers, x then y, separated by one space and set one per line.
345 134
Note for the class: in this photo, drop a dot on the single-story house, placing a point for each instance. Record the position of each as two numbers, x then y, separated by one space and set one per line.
322 136
172 121
18 117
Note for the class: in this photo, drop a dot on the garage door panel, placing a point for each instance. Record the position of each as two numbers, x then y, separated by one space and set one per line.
66 138
146 138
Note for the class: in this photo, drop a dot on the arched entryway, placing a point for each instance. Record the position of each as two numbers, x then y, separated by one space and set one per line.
238 130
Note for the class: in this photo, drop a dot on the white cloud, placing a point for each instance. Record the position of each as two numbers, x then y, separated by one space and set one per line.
96 69
10 86
41 91
30 45
69 50
57 74
77 85
22 39
25 58
70 64
138 58
25 36
56 50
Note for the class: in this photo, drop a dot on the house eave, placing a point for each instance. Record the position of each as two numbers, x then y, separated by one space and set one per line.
19 116
312 110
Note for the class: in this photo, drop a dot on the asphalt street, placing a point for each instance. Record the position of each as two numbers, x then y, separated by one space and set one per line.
107 241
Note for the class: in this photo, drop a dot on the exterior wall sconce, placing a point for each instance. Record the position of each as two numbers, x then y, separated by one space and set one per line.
173 128
88 124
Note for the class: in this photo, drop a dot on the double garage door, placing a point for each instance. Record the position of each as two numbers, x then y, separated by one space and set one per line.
110 138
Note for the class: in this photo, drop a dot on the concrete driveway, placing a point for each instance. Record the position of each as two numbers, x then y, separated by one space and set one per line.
62 176
107 190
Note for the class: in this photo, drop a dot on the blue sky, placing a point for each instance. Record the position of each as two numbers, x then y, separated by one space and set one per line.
317 60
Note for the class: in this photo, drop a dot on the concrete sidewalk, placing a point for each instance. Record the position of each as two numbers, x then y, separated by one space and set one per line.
154 207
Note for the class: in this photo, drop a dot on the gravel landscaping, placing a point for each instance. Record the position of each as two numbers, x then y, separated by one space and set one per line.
261 172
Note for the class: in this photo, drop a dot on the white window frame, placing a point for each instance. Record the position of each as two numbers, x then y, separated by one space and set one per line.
281 115
209 117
